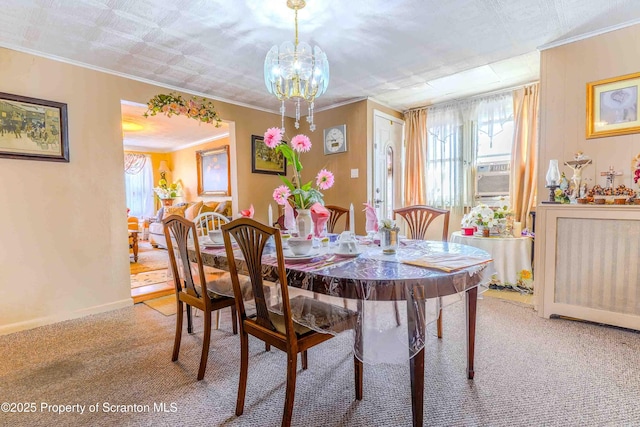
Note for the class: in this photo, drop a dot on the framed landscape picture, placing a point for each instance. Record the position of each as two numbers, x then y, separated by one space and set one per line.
265 159
214 172
33 129
612 106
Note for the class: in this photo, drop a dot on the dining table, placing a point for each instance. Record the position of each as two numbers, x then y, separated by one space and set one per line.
395 295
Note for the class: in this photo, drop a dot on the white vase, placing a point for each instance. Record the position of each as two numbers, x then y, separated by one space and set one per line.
304 223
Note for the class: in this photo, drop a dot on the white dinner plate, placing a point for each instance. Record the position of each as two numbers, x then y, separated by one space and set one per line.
301 258
207 243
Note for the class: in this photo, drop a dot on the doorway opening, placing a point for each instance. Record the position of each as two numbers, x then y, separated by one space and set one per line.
162 152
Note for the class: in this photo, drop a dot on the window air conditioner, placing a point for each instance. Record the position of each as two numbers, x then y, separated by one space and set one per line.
492 179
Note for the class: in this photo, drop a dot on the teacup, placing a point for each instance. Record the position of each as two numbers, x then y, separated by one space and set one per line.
216 236
300 246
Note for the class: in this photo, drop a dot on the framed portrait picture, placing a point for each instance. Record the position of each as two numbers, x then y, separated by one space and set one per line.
33 129
612 106
214 172
265 159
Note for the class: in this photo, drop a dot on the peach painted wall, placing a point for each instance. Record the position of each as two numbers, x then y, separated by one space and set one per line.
564 74
185 169
68 220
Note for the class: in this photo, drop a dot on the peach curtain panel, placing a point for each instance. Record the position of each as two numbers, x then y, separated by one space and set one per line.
415 164
524 156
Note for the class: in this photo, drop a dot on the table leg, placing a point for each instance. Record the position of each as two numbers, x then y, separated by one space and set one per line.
134 238
415 314
472 302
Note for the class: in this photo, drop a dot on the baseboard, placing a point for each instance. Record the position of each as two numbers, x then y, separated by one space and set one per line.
42 321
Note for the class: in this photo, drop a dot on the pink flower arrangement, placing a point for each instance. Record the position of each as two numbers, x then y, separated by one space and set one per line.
201 110
302 196
635 166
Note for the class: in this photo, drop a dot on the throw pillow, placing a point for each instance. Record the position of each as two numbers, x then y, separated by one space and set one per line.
222 208
192 211
174 210
209 207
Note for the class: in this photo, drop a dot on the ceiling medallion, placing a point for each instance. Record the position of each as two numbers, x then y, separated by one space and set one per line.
296 72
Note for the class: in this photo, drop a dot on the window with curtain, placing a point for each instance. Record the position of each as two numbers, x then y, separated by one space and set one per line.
139 185
459 136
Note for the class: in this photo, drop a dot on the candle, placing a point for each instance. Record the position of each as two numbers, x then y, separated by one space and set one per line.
270 216
517 229
352 220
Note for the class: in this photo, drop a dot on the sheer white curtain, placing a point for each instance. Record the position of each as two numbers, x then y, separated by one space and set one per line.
454 132
449 156
139 190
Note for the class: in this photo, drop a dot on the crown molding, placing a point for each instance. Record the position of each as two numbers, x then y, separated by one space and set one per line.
131 77
340 104
384 104
588 35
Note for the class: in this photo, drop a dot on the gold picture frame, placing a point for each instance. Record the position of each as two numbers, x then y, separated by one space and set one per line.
214 172
612 106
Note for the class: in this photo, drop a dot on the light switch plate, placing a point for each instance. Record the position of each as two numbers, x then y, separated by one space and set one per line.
354 173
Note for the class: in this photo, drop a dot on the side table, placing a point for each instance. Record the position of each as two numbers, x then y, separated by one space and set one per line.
133 235
511 257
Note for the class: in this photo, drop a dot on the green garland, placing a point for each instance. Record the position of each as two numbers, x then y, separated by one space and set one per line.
201 110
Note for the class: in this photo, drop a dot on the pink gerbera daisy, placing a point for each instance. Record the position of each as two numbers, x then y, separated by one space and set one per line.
324 179
281 194
272 137
301 143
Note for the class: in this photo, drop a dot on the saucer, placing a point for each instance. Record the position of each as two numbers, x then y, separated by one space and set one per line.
301 258
208 243
348 254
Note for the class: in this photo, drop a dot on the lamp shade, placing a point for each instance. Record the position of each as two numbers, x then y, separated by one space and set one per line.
164 167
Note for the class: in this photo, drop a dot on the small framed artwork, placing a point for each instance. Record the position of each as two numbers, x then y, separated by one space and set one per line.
335 139
33 129
214 172
265 159
612 106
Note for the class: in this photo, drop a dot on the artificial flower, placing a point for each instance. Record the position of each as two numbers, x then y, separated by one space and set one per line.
324 179
301 143
302 196
171 104
164 190
281 194
272 137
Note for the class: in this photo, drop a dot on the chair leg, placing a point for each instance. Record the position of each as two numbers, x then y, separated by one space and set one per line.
439 322
217 319
397 312
189 320
234 319
305 361
359 373
244 367
267 347
176 342
292 361
205 344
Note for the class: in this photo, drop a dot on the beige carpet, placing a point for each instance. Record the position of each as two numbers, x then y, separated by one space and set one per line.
149 259
530 371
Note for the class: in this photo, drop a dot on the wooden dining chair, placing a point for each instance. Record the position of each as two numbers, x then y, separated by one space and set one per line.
336 213
418 219
274 324
189 278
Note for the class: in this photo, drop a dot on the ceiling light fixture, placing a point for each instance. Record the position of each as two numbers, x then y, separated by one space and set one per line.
296 72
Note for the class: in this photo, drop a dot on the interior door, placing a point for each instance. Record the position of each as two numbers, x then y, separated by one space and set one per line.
388 164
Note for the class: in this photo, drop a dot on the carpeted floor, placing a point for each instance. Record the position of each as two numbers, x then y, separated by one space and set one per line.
529 372
149 259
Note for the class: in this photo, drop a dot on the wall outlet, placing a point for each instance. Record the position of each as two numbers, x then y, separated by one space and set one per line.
354 173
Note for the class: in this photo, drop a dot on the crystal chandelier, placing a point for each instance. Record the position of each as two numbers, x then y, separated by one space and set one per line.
296 72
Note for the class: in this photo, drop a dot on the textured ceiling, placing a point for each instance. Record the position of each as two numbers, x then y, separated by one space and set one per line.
405 53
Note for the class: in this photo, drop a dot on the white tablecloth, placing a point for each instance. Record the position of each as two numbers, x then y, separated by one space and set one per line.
511 257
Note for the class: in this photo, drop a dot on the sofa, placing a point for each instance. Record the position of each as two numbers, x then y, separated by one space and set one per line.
189 210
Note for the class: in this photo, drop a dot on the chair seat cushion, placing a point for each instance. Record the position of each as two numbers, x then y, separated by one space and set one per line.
324 317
